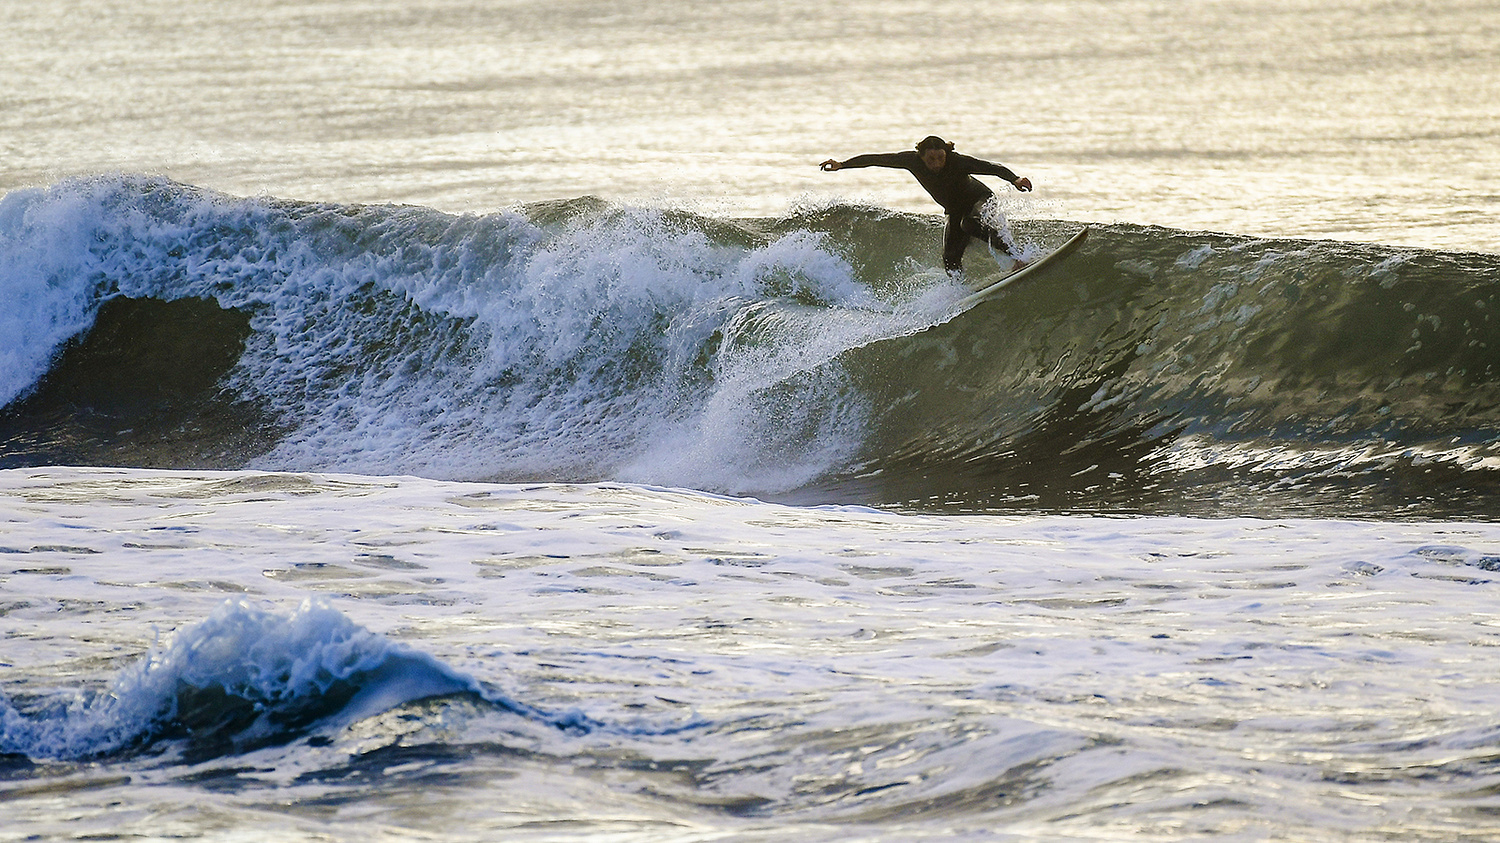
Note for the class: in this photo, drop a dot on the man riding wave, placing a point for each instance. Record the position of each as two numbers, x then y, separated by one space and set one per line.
949 178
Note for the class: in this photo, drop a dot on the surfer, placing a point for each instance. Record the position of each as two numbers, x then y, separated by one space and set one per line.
949 178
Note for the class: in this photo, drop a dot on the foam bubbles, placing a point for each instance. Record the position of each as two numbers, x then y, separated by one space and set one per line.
608 345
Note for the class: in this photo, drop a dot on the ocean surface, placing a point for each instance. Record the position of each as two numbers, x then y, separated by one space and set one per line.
459 420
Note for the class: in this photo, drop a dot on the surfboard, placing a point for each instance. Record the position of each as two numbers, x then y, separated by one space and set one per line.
1032 268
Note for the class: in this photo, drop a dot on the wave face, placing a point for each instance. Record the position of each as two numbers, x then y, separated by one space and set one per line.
812 358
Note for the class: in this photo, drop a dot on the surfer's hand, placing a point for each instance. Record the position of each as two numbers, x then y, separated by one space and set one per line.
830 165
1023 184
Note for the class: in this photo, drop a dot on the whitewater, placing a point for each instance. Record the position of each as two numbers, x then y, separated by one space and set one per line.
457 420
625 662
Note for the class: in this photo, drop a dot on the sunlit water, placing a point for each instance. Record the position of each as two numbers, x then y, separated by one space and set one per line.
652 664
1301 118
318 656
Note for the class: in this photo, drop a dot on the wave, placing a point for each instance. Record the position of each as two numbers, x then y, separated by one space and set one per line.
815 357
244 678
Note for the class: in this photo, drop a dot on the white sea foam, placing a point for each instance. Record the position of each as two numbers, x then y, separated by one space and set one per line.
823 663
591 350
401 340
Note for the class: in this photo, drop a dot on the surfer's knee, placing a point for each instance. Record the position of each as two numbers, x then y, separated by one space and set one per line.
980 230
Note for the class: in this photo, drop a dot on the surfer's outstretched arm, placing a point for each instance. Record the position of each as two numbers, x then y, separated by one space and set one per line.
898 160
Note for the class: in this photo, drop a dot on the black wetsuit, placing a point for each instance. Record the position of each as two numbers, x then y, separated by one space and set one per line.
955 188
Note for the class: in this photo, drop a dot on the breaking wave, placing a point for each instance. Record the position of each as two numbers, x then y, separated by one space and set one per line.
817 357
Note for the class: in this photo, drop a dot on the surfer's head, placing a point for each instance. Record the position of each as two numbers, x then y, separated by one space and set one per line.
934 151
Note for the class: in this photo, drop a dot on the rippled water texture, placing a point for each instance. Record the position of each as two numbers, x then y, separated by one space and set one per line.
672 666
1301 118
584 248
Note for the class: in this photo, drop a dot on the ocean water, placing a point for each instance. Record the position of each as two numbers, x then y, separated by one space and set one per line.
467 420
414 658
